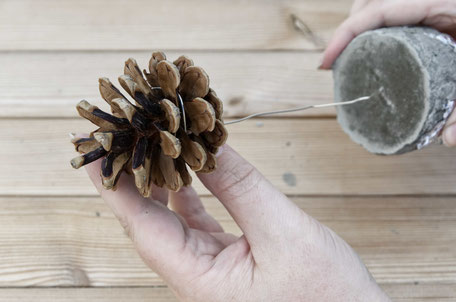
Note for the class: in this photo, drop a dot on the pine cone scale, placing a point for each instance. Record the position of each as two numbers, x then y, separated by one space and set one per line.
141 164
116 141
111 167
195 83
202 115
98 117
168 79
171 176
193 153
131 69
88 157
85 145
170 145
172 115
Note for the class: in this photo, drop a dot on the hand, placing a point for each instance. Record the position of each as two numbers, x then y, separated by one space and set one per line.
371 14
283 254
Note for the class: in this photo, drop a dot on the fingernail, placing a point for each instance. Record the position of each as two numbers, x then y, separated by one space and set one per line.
322 67
449 135
72 135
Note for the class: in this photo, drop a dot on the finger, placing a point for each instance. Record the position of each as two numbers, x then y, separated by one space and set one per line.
452 119
260 210
449 136
187 203
374 15
348 30
156 231
449 133
159 194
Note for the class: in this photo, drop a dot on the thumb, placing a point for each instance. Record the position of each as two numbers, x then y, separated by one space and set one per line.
262 212
449 133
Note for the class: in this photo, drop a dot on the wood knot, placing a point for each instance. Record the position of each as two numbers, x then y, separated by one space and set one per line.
289 179
80 278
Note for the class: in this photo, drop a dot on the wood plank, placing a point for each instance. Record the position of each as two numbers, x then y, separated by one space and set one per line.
49 84
77 241
398 292
311 157
172 24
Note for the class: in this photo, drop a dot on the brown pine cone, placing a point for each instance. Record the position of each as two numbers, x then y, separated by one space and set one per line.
153 139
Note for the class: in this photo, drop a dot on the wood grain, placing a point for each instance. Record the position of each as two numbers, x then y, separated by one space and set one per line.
247 82
56 241
172 24
55 232
310 157
138 294
398 292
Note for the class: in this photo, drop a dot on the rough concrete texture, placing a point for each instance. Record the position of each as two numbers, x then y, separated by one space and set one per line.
416 68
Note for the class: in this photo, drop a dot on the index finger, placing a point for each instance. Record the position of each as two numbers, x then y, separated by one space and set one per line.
375 15
261 211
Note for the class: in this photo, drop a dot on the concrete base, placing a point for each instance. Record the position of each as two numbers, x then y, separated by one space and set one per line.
416 66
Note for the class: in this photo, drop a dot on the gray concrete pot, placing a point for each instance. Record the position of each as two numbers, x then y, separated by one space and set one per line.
416 66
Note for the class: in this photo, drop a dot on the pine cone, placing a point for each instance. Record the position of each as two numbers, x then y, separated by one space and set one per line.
152 139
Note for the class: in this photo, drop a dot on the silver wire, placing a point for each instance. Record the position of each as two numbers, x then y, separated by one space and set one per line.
360 99
181 105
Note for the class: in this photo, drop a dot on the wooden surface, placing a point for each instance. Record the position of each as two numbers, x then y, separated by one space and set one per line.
58 240
315 153
398 292
249 81
75 241
172 24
